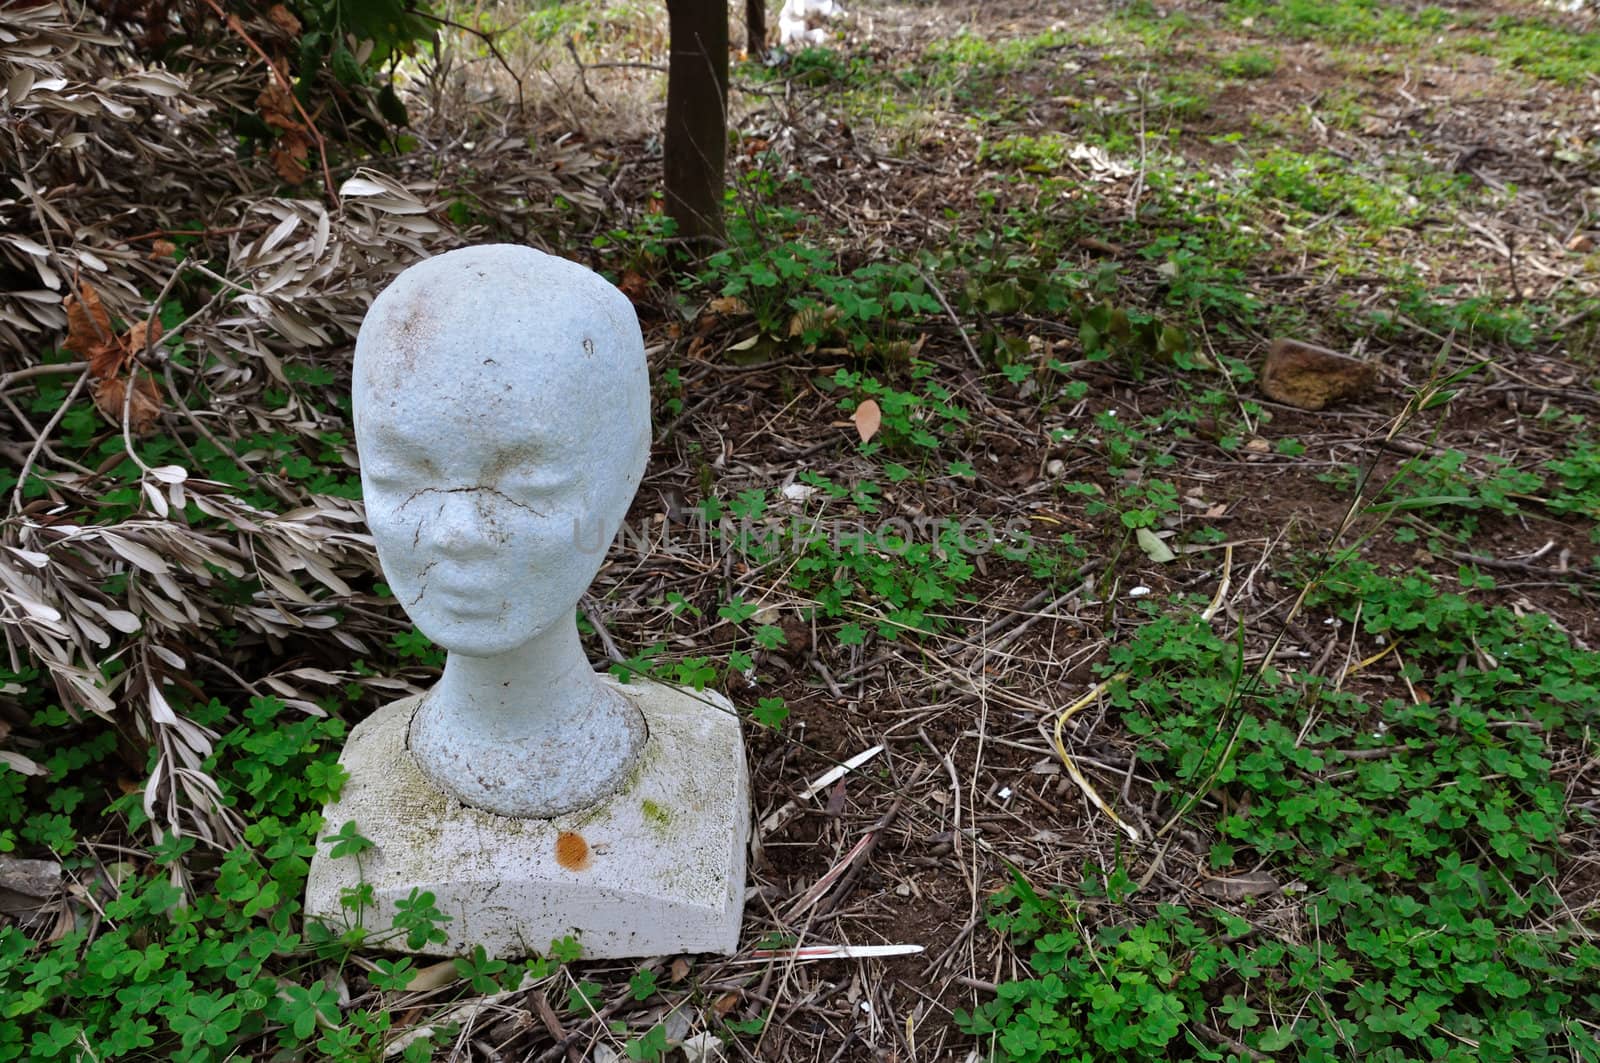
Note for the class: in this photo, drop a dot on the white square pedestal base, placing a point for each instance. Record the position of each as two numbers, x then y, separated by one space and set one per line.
664 865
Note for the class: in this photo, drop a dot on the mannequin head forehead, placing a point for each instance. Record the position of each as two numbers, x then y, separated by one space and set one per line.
502 415
496 328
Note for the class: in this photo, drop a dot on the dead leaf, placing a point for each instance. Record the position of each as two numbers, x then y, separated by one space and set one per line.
634 285
836 797
289 157
277 106
106 361
280 17
434 976
163 249
293 146
679 970
1105 247
145 334
815 319
21 764
143 409
1239 887
1155 549
88 324
868 419
728 305
66 923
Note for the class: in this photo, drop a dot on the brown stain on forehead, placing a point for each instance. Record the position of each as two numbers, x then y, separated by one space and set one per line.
408 336
572 852
407 332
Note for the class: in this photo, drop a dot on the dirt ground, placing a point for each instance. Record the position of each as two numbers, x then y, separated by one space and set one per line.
906 849
1424 200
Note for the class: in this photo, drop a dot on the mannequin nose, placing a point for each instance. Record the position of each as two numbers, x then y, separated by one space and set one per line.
460 528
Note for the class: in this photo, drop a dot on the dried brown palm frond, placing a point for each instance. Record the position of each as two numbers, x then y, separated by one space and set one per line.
106 163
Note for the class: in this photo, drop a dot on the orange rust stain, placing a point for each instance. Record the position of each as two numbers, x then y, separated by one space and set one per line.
572 852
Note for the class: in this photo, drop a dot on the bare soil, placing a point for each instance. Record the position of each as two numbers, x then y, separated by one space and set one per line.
967 782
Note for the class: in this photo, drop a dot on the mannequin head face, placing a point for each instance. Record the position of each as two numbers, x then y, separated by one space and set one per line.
502 414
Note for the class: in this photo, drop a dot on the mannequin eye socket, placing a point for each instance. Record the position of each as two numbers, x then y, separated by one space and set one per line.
533 482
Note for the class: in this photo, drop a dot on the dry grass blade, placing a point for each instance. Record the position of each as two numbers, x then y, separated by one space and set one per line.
1072 768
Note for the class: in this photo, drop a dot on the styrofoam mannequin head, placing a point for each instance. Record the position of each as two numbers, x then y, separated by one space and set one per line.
502 416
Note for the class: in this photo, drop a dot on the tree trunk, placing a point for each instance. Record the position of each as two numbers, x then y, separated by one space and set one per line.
696 147
755 24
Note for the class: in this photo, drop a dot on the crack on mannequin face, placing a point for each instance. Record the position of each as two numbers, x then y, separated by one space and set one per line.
501 403
476 540
458 490
418 526
493 416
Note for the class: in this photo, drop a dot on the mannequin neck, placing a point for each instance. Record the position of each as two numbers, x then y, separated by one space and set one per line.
521 693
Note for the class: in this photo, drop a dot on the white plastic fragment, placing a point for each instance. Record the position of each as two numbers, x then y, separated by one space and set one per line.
812 953
798 492
804 23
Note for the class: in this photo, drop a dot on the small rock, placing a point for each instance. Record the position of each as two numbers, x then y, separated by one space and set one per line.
1581 242
1311 377
38 879
27 885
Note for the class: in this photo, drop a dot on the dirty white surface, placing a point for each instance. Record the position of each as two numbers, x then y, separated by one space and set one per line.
501 401
659 867
502 414
804 23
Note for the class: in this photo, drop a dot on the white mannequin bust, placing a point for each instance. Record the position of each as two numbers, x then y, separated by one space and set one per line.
502 415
